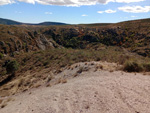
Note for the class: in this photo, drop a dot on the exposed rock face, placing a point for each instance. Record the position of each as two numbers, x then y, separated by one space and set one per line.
20 39
43 42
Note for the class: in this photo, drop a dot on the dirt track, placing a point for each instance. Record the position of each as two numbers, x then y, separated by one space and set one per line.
92 92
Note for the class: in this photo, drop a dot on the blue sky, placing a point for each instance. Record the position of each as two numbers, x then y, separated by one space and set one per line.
74 11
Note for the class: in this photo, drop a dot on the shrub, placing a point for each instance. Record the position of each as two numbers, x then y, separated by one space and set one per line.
12 66
1 55
98 59
3 72
132 66
45 63
80 70
146 66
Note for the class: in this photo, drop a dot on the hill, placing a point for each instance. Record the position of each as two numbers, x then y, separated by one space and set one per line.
134 36
11 22
31 51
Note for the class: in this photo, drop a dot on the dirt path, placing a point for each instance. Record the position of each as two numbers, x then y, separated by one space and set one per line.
93 92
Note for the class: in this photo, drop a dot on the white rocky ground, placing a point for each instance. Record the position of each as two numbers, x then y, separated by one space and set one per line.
92 90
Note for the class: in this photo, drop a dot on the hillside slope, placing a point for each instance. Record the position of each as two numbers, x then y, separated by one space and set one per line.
9 22
98 91
16 39
26 50
132 35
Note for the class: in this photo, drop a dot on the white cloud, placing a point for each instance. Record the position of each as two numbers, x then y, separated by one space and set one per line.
100 12
128 1
110 11
135 9
133 16
4 2
68 2
84 15
48 13
107 11
27 1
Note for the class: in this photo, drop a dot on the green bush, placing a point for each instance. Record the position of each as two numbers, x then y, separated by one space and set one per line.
1 55
2 73
132 66
12 66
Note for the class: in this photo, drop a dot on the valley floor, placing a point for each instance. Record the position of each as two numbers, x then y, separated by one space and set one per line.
94 91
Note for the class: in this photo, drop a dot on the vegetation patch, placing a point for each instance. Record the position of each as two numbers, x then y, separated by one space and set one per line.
132 66
146 67
12 66
135 66
1 55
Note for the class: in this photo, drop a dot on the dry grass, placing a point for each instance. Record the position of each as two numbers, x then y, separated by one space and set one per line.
80 70
49 78
48 85
146 66
64 81
136 66
56 58
37 85
132 66
20 82
99 67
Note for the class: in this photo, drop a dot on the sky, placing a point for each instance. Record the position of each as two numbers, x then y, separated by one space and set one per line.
74 11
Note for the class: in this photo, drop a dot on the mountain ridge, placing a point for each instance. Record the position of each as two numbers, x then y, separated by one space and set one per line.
4 21
12 22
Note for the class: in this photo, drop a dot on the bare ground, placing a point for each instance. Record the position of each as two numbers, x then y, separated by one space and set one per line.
90 90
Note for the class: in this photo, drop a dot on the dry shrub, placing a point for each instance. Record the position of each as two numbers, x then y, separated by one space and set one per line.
49 78
122 59
59 81
48 85
111 70
37 85
3 105
76 66
146 67
64 81
20 82
132 66
92 63
80 70
86 63
75 75
1 101
99 67
58 71
98 59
